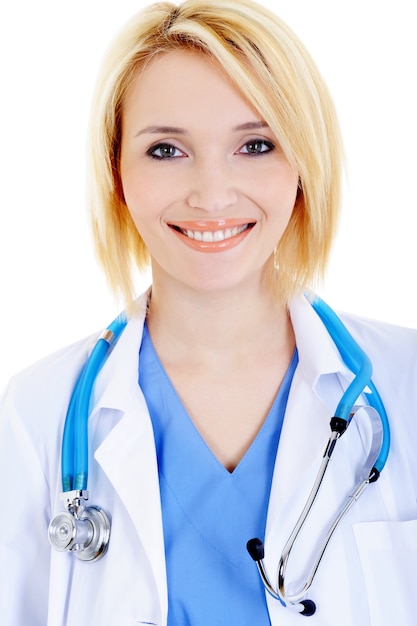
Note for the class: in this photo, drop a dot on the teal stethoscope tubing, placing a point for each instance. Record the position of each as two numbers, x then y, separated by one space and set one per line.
75 436
360 365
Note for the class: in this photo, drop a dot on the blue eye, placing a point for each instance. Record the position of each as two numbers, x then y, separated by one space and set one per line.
163 151
257 146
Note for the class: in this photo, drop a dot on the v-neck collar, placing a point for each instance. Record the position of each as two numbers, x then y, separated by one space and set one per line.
175 409
193 481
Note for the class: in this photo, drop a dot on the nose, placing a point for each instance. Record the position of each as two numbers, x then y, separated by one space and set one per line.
213 186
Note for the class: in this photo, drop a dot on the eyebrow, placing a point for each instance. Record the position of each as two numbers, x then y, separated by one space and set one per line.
175 130
251 125
155 130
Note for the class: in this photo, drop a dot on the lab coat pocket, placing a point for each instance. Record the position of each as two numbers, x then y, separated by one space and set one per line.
388 555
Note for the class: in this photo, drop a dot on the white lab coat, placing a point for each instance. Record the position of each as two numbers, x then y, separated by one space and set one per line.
368 576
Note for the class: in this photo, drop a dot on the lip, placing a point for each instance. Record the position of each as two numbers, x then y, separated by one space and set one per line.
212 235
212 225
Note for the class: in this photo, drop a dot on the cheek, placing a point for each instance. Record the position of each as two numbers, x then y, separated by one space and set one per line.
283 196
279 182
143 195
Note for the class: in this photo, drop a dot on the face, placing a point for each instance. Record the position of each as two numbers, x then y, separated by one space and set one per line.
205 181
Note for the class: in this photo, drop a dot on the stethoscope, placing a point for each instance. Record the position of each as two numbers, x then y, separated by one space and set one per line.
84 529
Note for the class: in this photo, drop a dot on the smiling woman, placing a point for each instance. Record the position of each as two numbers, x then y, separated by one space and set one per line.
228 186
214 157
306 136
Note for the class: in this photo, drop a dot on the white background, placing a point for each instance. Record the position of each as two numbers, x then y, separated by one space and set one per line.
52 291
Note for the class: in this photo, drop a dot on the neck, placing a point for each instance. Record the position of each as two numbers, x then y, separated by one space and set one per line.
186 324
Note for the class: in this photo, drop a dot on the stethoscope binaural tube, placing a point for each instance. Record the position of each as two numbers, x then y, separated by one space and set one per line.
298 601
256 550
358 362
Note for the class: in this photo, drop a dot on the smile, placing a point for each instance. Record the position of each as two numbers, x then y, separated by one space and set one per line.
215 235
205 237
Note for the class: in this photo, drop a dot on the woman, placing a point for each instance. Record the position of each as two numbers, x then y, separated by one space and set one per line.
215 157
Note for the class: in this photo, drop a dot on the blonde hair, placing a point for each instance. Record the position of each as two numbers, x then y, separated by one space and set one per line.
276 75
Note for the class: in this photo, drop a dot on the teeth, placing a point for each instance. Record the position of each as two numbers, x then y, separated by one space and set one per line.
216 235
207 236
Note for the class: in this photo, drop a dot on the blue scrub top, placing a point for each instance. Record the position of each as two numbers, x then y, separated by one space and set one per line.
208 512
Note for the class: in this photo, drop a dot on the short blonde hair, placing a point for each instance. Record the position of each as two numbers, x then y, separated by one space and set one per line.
276 75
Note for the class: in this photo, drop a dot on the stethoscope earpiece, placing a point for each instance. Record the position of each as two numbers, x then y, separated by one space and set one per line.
309 608
255 547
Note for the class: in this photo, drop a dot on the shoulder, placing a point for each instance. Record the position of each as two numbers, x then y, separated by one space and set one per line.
36 399
392 349
385 343
393 353
40 393
51 375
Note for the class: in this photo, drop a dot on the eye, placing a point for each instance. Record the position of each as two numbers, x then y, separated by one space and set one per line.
256 146
163 151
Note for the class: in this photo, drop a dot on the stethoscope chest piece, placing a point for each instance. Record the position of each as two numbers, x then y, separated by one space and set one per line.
82 530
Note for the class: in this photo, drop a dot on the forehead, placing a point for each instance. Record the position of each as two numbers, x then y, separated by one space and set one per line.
181 82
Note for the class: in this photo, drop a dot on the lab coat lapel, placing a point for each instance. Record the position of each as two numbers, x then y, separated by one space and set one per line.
127 452
304 434
127 457
316 388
